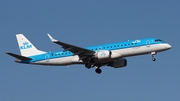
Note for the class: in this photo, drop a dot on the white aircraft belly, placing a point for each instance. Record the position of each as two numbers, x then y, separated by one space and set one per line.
61 61
123 53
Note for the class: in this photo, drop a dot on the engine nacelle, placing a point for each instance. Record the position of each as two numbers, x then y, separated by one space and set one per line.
118 63
106 54
103 54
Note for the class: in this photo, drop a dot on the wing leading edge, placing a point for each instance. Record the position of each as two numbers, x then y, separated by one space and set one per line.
81 52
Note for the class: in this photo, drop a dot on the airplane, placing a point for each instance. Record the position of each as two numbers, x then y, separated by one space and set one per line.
112 55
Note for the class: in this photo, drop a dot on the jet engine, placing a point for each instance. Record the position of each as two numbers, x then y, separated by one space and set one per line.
106 54
103 54
118 63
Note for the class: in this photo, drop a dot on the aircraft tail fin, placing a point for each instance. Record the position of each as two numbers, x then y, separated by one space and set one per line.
26 47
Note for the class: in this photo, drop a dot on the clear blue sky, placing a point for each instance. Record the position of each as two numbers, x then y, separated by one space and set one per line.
86 23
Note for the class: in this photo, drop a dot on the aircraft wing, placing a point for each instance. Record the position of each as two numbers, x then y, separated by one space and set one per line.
82 52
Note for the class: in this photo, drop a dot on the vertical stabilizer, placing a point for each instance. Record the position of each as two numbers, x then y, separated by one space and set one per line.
26 47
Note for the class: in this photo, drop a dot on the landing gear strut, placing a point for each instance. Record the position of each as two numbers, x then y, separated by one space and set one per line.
153 58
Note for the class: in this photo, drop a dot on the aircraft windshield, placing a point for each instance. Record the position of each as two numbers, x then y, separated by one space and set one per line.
158 40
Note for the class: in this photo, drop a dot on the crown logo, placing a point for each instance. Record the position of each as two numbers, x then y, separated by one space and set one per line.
25 43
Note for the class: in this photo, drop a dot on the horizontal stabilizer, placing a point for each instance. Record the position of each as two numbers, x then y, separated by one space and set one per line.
18 56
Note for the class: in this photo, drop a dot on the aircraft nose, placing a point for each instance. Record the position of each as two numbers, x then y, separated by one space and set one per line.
168 46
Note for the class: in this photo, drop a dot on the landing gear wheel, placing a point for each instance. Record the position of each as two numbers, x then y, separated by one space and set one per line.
154 59
98 71
88 65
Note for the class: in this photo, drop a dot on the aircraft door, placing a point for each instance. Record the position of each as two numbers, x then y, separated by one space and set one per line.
47 58
148 43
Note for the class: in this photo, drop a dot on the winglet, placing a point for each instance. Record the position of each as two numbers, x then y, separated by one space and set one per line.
52 39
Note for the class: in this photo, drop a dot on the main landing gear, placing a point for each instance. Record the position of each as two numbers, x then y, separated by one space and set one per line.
98 70
153 58
88 65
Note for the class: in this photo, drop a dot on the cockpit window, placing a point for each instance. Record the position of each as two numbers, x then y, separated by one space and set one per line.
158 40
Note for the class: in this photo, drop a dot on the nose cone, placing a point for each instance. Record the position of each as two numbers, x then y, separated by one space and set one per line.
168 46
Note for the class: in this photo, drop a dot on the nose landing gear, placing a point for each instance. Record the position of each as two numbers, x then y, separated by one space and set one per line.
153 58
